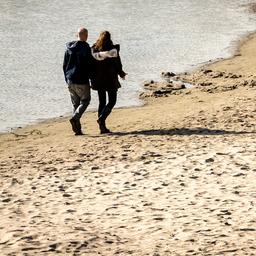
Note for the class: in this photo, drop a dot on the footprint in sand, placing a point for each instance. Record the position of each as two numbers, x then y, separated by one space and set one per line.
93 168
50 169
66 195
70 180
74 167
6 200
209 160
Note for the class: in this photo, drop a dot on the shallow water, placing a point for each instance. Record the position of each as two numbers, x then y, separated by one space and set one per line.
155 36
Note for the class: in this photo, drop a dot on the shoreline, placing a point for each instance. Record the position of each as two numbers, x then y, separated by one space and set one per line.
54 120
238 44
175 178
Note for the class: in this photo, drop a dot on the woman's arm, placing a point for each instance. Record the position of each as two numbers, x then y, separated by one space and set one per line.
119 65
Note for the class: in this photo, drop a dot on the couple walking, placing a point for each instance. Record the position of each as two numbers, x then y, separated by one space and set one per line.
97 68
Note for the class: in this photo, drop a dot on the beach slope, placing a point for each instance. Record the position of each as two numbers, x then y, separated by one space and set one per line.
176 178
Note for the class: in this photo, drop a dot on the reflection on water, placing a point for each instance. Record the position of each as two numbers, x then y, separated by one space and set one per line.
155 36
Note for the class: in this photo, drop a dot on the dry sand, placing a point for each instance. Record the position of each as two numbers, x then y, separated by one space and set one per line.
177 177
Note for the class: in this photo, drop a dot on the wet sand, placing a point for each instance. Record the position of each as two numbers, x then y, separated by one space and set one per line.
176 178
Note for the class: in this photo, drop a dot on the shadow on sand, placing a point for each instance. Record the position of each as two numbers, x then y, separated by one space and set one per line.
182 132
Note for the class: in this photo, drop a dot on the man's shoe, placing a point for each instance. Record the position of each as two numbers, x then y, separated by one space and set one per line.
73 123
78 125
79 133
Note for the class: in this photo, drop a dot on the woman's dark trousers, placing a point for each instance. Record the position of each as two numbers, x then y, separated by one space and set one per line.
105 108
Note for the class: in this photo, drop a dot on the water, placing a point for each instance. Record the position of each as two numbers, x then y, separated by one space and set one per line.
155 36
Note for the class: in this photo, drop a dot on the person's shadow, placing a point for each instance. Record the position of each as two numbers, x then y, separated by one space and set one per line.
182 132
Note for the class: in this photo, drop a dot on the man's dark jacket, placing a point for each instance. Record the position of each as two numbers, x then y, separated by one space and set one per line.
77 63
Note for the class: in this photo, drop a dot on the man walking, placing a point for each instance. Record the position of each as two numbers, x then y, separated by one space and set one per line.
76 66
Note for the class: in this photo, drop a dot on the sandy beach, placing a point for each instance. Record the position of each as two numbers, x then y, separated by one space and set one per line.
177 176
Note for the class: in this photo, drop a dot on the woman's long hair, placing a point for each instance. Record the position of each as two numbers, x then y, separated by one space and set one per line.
104 42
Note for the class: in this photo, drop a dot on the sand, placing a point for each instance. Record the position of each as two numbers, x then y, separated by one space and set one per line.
176 178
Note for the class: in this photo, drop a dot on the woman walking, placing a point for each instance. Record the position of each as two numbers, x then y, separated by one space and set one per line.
105 78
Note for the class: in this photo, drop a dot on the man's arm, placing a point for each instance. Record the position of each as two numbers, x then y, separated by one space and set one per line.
104 55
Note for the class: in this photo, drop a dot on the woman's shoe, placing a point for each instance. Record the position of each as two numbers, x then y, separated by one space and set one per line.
102 126
76 126
105 130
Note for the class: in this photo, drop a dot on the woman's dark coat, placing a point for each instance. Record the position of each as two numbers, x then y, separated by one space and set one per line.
105 72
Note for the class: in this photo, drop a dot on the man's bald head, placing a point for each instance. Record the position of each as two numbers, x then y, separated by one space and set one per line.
82 34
